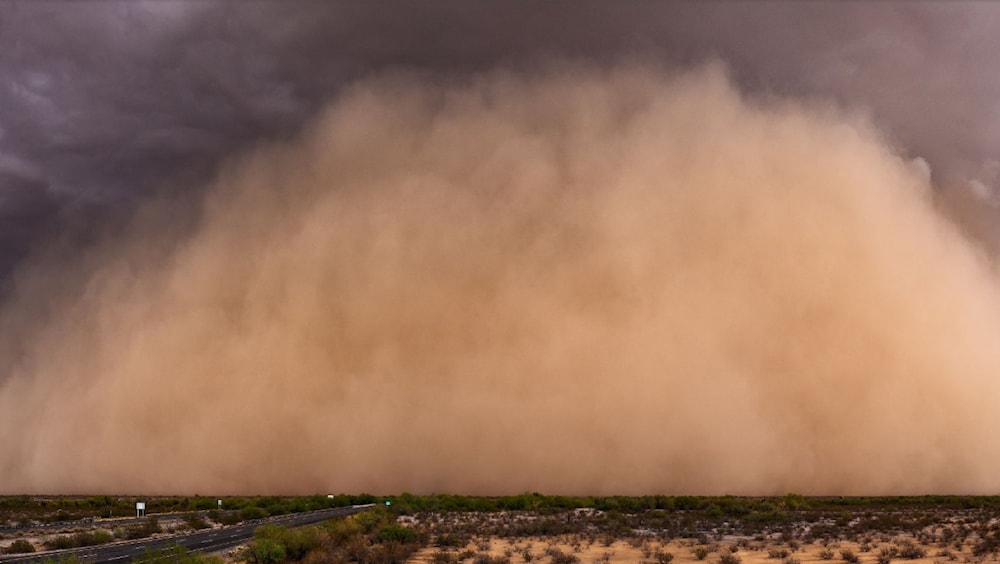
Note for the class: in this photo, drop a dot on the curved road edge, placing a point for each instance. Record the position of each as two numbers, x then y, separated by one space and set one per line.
212 540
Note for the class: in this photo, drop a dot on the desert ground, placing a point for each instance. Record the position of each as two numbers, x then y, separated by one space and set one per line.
562 549
726 530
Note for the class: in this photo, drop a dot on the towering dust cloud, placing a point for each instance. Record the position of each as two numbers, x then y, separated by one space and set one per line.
573 280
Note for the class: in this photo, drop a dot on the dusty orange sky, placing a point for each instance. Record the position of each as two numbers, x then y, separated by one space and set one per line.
568 280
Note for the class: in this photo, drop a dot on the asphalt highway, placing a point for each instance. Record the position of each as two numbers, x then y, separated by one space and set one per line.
210 540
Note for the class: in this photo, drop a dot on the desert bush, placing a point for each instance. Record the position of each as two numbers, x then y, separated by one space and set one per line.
444 557
886 554
826 554
790 560
195 521
142 530
662 557
849 556
267 551
92 538
485 558
451 540
296 542
400 534
777 553
251 513
61 542
20 546
701 552
912 552
228 518
730 558
986 545
560 557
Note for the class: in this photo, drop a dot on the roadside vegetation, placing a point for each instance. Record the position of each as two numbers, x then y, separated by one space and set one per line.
32 510
372 536
538 528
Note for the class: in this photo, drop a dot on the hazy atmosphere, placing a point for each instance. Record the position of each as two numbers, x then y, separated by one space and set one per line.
587 248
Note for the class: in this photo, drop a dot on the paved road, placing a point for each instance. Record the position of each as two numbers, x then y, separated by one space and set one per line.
211 540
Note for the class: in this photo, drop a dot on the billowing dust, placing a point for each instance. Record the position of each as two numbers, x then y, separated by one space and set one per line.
569 280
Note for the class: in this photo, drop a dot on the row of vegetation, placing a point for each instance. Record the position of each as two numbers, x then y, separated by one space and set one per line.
27 510
737 506
369 537
67 508
458 526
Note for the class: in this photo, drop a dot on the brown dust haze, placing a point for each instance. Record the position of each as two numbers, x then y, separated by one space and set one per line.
575 280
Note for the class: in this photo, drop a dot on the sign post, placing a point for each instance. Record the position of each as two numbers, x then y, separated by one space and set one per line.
140 509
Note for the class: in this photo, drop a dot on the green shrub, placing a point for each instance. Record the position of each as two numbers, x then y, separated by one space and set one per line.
297 542
266 551
397 533
251 513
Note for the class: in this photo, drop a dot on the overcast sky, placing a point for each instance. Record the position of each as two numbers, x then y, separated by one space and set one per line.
103 103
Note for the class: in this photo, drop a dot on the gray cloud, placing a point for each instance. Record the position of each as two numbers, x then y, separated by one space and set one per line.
113 100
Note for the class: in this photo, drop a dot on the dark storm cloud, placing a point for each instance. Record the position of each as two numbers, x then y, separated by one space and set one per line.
109 101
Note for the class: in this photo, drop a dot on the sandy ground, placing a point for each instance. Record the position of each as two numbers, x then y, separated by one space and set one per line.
684 551
748 550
